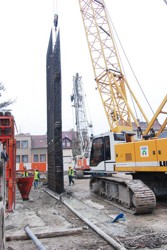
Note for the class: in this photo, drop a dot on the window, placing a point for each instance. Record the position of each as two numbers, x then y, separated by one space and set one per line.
35 158
17 144
42 158
17 158
119 137
64 143
107 153
24 144
25 158
68 143
97 152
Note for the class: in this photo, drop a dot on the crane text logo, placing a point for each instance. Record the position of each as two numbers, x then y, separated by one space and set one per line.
144 151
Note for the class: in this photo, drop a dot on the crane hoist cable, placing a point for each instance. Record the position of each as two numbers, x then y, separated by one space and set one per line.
55 6
55 13
89 119
165 1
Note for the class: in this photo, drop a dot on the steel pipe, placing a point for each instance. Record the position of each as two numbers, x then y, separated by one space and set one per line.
34 238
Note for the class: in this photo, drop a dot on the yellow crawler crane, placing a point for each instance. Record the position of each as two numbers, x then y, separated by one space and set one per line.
115 153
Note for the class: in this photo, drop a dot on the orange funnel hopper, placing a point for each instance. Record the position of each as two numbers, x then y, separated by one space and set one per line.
24 185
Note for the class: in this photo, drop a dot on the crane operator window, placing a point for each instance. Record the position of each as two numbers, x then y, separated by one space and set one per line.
107 151
100 150
97 150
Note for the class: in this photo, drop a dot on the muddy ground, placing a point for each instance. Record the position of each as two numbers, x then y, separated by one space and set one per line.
43 213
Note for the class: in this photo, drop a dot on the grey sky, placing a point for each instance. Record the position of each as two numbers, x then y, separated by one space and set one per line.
25 28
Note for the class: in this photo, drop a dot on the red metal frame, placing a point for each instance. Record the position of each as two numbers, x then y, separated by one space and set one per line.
7 138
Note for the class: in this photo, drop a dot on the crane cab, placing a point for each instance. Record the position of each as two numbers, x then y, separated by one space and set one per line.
102 156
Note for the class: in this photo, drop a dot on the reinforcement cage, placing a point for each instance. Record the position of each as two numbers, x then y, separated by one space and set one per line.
54 117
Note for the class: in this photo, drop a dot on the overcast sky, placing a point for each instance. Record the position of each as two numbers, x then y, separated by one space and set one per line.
25 28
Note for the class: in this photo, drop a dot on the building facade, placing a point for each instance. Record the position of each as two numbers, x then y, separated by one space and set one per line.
31 151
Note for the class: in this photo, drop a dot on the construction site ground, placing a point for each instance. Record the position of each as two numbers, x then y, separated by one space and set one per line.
57 227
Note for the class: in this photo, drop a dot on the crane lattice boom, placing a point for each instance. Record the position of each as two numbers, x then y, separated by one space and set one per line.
109 77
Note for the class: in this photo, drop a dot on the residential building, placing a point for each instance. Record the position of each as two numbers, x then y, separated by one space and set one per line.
67 143
31 151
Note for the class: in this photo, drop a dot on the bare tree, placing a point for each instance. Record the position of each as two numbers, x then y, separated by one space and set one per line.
5 103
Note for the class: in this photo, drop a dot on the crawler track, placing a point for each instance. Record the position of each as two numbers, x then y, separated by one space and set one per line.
131 195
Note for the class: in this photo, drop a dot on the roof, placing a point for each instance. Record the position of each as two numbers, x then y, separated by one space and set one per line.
23 135
39 141
68 134
144 125
163 134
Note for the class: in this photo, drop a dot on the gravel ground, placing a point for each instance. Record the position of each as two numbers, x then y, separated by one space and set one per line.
43 212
